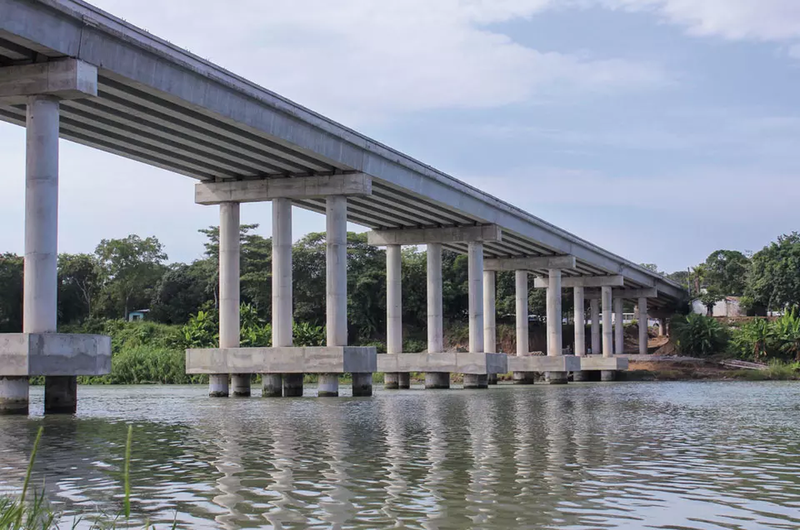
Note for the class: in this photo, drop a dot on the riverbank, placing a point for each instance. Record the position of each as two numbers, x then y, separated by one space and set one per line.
693 369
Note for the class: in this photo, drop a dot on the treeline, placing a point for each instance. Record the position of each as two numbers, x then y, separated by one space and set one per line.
129 274
766 282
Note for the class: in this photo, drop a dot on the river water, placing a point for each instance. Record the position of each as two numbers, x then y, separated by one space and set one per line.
583 456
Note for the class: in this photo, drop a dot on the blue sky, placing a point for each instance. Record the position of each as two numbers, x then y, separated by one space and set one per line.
661 130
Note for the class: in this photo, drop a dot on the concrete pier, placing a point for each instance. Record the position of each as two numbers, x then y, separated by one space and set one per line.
475 278
328 385
642 326
435 314
394 311
489 312
476 381
521 284
292 385
492 379
608 332
437 380
40 309
228 295
272 385
282 334
580 330
13 395
619 328
554 328
362 384
60 394
594 309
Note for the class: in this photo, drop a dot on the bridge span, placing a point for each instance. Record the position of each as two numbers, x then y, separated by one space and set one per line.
70 70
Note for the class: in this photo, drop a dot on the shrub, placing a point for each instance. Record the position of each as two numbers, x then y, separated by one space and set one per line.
699 335
306 334
786 335
751 340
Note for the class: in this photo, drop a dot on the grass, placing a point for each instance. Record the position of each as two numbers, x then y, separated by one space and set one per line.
23 514
777 371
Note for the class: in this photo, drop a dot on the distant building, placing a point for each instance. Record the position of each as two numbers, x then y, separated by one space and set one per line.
139 314
727 307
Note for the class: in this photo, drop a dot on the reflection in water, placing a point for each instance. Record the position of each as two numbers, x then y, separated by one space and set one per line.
665 455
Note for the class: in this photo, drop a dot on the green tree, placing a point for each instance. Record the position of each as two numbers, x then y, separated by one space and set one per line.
181 292
774 279
134 266
726 271
80 278
11 273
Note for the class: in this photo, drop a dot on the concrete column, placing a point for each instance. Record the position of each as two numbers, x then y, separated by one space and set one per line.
489 312
521 280
608 332
228 290
594 308
276 385
580 330
476 381
394 310
580 322
643 326
619 327
492 379
336 283
435 312
475 275
555 342
662 327
41 252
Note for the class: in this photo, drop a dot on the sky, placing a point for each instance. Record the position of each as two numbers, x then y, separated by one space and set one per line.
661 130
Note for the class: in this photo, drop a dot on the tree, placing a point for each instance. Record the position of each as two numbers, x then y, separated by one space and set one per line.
134 266
80 278
11 273
726 271
774 280
181 292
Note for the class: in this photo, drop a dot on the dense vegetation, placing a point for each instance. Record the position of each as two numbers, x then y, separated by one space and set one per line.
98 291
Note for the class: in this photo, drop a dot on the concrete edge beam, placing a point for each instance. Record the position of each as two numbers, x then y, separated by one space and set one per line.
446 234
583 281
625 293
544 363
267 189
64 79
453 362
598 362
283 360
532 263
54 354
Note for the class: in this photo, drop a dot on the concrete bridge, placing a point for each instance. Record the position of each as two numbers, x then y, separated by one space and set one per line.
71 70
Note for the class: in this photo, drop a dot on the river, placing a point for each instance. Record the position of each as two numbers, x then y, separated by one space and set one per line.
584 456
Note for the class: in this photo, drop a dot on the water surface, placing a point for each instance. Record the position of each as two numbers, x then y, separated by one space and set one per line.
583 456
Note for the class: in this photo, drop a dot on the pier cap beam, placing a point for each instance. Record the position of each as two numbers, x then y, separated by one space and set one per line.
529 264
626 293
262 190
583 281
443 235
64 79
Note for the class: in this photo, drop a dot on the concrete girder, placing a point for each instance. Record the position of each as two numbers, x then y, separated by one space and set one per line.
64 79
583 281
625 293
267 189
443 235
530 264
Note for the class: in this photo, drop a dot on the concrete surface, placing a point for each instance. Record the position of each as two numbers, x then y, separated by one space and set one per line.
283 360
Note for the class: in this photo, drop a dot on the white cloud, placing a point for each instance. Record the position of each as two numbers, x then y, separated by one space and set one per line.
360 59
766 20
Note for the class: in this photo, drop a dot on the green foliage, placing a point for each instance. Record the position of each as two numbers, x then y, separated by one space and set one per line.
761 339
11 271
306 334
774 280
181 292
134 266
202 330
80 278
699 335
777 371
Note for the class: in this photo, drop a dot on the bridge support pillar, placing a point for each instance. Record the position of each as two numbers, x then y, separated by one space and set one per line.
619 327
435 315
394 311
643 326
228 298
554 328
608 332
580 330
594 308
523 339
